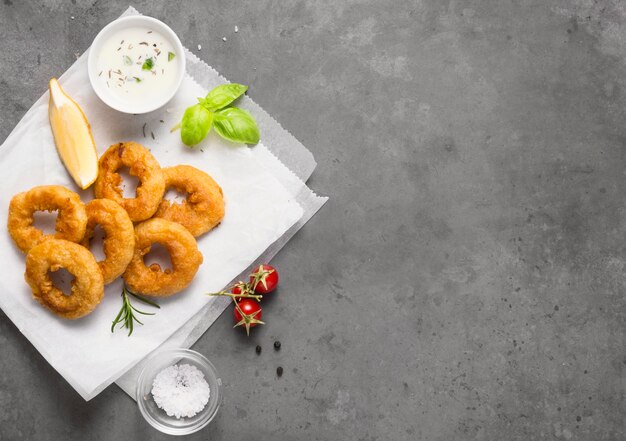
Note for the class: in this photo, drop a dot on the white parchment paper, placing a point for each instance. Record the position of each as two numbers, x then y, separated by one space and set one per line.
84 352
294 167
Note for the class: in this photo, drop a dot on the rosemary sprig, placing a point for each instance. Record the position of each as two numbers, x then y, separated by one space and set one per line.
126 316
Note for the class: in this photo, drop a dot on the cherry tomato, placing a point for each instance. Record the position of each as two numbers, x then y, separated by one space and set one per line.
248 313
264 279
241 288
238 289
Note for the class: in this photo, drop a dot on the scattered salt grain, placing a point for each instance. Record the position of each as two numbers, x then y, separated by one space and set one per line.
223 38
72 17
236 29
199 47
181 390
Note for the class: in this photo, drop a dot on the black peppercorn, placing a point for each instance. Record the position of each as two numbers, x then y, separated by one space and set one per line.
277 345
258 349
279 371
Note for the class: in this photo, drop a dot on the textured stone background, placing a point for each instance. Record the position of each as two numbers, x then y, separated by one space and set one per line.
466 280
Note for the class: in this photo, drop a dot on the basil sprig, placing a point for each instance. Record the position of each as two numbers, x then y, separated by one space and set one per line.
231 123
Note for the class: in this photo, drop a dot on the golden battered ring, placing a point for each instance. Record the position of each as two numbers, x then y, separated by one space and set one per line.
183 251
203 209
71 219
141 164
87 287
119 241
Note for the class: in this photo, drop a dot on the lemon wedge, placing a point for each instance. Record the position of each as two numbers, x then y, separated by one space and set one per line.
72 136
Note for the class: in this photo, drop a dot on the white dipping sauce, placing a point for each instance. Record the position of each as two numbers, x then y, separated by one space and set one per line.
138 64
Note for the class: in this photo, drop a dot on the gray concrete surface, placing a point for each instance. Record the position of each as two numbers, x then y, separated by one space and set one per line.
466 280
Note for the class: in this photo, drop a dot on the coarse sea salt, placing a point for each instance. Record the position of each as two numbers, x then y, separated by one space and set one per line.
181 390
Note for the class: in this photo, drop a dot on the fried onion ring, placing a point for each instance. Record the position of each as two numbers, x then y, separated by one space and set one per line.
87 287
203 209
71 219
184 255
119 242
141 164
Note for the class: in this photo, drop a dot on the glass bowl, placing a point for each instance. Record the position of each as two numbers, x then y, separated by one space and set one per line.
156 416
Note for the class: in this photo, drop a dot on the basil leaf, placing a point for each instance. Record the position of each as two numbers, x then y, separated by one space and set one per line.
195 124
170 56
236 125
223 95
148 64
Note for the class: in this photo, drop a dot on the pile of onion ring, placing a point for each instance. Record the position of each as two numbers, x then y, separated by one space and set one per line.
131 227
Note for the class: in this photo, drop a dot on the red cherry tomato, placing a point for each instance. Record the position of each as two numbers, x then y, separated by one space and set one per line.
237 289
264 279
240 288
248 313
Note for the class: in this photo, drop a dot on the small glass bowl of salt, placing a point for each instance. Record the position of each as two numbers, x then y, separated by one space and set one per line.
178 391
